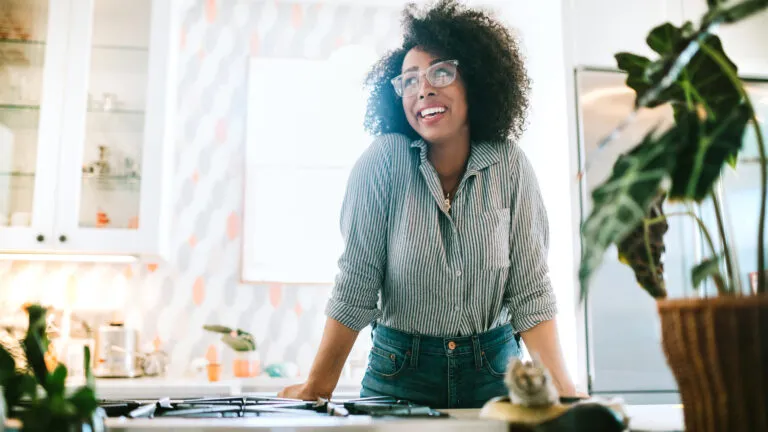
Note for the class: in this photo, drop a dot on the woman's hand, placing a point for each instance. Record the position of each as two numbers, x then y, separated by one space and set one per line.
303 391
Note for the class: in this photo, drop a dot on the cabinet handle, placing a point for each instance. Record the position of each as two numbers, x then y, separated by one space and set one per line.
40 238
62 238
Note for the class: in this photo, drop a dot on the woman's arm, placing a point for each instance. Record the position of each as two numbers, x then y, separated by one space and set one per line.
543 340
334 349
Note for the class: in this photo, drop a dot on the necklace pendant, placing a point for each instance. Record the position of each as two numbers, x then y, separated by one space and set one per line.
447 204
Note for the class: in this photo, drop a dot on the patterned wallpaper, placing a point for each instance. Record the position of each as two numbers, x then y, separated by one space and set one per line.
171 301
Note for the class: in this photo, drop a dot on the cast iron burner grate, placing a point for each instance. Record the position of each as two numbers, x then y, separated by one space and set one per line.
251 406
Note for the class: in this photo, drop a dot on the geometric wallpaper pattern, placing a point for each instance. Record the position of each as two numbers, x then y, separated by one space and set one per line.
201 284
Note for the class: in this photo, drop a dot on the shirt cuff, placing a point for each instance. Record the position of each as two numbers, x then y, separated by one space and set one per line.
353 317
533 312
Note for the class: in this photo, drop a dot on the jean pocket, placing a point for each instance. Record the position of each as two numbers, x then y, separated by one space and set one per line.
387 362
496 359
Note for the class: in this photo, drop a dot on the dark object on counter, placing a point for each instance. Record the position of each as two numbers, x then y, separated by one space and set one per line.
581 418
570 415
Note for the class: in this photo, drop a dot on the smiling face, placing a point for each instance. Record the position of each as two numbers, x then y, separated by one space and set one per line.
437 114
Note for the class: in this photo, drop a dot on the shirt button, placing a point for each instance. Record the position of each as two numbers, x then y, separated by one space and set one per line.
458 273
457 308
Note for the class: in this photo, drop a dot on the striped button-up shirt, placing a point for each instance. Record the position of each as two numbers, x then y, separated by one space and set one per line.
412 264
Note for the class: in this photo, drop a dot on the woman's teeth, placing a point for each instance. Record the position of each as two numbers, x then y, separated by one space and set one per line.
431 112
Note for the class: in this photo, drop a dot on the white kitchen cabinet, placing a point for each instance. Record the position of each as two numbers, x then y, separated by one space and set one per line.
602 28
87 90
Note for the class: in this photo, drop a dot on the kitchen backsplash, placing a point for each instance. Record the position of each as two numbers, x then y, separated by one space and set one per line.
201 284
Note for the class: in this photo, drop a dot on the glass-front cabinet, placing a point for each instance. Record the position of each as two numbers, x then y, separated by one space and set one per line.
87 89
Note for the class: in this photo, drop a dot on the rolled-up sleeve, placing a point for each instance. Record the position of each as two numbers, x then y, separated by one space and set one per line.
528 293
362 266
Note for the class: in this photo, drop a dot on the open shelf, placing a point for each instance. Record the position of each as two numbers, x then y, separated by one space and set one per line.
111 182
20 117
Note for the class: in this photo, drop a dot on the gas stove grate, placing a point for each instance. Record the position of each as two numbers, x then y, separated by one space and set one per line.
249 406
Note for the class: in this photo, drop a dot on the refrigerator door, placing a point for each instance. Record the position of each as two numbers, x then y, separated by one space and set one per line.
624 337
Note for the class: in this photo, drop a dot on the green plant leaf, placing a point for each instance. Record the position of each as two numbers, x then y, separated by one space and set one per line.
36 343
699 82
90 381
622 201
12 391
84 401
703 270
7 364
706 145
239 343
666 39
649 270
739 11
57 380
713 3
218 329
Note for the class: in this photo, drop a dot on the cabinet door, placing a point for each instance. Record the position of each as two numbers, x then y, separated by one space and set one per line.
745 42
32 58
114 167
602 28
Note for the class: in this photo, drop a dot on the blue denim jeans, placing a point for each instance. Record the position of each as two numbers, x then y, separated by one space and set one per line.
461 372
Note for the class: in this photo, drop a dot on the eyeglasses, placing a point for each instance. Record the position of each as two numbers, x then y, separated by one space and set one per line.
439 75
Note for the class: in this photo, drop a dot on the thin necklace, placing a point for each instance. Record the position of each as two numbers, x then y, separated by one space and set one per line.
448 198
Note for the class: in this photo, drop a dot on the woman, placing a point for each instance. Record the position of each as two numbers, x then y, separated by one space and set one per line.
444 220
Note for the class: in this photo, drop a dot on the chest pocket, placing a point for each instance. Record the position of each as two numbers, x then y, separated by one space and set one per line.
492 239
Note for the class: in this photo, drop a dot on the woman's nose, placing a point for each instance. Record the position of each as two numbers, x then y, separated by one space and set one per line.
425 88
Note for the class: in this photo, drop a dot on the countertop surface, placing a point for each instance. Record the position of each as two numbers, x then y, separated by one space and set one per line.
655 418
645 418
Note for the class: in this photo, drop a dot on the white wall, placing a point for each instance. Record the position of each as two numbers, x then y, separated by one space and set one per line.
547 144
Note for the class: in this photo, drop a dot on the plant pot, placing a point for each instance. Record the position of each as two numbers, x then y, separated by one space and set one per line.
717 349
245 364
214 371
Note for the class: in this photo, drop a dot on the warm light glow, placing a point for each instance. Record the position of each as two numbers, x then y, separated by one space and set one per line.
68 258
596 95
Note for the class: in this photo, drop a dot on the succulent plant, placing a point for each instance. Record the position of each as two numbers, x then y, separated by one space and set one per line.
238 340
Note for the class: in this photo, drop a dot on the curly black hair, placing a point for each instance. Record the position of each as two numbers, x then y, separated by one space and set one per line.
490 64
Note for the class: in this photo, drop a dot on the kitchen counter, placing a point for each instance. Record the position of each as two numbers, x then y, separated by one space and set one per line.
651 418
645 418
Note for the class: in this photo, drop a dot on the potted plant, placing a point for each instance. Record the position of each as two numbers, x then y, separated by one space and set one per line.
717 347
50 409
244 345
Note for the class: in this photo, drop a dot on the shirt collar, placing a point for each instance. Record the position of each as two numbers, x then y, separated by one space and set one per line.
482 153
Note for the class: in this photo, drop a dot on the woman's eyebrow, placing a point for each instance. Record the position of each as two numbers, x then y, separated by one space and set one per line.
430 63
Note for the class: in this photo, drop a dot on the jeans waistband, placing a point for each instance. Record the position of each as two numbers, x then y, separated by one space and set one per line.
444 345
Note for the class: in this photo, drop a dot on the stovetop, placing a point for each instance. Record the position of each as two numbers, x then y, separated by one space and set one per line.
253 406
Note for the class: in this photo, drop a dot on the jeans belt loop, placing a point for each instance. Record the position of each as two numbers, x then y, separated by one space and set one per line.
415 351
477 351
